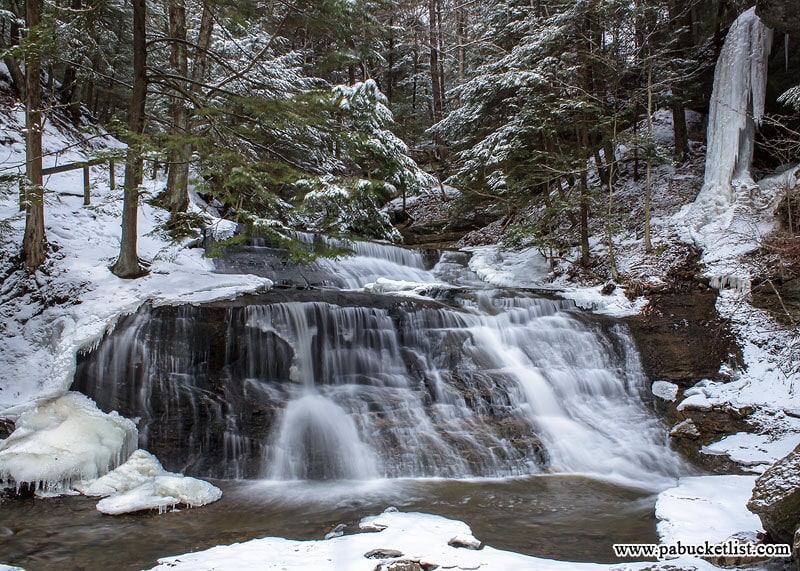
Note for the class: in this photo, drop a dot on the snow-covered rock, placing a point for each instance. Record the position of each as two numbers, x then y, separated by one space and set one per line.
664 390
776 498
141 483
161 493
63 441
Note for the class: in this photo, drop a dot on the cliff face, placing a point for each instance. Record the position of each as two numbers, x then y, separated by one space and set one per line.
780 15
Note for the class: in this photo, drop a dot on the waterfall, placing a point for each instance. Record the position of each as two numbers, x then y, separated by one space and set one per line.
736 109
358 264
331 384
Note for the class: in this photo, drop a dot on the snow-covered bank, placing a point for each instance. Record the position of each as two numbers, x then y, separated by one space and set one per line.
706 508
47 318
427 540
62 442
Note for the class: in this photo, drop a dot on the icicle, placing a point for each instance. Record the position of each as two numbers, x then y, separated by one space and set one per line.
786 51
736 110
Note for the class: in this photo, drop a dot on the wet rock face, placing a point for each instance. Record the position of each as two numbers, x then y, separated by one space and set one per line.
210 384
681 338
776 498
781 15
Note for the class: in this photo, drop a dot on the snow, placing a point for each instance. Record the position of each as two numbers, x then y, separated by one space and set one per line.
615 304
665 390
422 538
527 268
706 508
63 441
138 469
419 290
754 452
162 493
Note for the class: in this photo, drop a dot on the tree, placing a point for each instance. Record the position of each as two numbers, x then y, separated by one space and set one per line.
127 265
34 242
177 192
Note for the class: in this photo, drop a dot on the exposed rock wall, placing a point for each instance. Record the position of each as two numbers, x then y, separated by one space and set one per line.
781 15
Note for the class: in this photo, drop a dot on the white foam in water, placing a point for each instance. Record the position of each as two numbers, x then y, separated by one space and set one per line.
317 439
64 441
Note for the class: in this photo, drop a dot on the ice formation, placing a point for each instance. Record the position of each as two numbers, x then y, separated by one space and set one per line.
736 109
141 483
64 441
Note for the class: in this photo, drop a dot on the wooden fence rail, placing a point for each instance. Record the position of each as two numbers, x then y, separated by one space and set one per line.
70 167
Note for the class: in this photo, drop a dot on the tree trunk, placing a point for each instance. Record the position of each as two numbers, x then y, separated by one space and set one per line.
584 219
200 60
648 245
177 193
460 38
681 17
17 77
127 265
436 82
34 242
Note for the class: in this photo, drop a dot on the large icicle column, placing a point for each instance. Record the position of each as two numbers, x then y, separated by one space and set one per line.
736 109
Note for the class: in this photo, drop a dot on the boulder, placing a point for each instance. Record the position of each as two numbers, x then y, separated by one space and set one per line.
776 498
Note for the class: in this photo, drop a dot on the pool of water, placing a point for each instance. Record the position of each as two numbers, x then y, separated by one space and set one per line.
561 517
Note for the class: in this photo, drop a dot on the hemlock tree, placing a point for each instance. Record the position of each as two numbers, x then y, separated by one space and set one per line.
34 243
127 265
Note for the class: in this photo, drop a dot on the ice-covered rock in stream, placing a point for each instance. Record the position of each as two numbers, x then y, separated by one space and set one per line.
64 441
141 483
161 493
736 109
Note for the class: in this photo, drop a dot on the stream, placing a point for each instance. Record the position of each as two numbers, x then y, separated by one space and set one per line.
343 392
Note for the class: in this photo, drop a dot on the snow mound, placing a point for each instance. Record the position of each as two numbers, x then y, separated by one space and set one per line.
704 508
139 469
615 304
665 390
62 442
401 287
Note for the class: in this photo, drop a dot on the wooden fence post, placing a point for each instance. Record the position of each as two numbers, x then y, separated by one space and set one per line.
87 199
112 175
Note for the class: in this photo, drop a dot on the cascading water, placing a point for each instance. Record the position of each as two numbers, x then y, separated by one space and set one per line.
329 384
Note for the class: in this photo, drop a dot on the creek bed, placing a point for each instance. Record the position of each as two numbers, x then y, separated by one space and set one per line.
560 517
